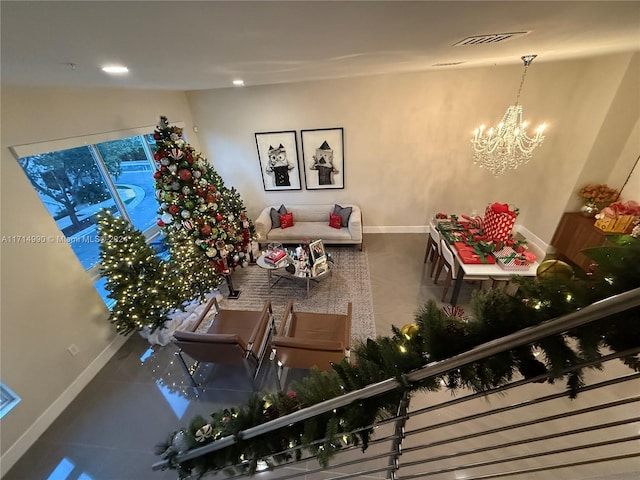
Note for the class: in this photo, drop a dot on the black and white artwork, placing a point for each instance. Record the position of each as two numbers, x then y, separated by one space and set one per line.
323 158
278 157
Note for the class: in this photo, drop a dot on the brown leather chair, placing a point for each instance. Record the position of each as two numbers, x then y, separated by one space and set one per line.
235 337
307 340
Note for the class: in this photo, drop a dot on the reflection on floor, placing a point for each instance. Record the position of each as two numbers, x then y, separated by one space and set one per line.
110 430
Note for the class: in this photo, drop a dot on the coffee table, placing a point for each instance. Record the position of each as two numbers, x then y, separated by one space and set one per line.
283 273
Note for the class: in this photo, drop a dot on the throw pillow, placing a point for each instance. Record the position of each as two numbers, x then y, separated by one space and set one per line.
275 216
344 213
335 220
286 220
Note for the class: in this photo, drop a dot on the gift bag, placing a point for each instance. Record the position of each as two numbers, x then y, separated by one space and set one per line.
499 220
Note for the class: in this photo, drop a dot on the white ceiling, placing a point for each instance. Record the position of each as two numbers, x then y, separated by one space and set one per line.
187 45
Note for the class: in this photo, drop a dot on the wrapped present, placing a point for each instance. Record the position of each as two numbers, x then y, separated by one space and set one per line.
473 254
618 217
617 224
499 220
509 259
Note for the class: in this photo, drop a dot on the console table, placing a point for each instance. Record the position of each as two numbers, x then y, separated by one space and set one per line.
574 233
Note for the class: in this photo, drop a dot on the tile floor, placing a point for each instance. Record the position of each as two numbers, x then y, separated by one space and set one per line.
110 429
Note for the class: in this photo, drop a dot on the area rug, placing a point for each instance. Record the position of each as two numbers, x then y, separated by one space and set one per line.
349 281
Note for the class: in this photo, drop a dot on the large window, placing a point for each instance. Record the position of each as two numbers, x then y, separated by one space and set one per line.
75 183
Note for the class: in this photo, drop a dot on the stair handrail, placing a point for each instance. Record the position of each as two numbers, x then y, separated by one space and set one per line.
593 312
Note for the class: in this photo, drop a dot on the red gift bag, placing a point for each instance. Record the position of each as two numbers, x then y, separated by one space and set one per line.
499 220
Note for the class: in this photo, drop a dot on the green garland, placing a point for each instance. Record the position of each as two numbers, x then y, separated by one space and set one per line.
440 333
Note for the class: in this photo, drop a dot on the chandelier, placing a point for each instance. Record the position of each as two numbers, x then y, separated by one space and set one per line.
506 146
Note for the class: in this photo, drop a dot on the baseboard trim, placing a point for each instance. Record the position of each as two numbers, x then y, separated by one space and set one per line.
532 237
397 229
29 437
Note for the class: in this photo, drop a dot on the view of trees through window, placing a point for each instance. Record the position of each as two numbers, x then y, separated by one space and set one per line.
74 184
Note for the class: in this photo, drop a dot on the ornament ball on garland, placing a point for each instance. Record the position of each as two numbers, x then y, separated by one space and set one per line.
555 268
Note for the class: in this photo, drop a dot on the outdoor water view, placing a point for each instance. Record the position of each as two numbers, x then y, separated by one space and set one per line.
74 184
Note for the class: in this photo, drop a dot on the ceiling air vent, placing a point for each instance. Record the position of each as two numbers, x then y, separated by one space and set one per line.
485 39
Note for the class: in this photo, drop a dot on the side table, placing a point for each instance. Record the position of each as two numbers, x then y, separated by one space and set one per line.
262 263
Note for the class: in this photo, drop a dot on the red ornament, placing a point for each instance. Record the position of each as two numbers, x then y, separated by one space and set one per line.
205 230
189 158
157 175
218 217
210 199
173 209
163 168
160 223
156 136
184 175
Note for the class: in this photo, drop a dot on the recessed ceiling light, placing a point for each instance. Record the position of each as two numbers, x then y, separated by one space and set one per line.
238 83
115 69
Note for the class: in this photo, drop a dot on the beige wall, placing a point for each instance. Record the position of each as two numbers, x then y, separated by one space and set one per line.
48 300
407 152
407 156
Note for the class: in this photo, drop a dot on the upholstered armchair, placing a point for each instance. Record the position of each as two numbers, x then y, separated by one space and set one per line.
307 340
235 337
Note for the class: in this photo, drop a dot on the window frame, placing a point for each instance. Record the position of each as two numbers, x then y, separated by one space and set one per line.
12 399
90 141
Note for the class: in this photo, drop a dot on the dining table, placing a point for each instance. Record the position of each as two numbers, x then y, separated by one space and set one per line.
478 266
493 271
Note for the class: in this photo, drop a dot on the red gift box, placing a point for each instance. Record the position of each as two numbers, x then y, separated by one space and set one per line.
468 255
499 221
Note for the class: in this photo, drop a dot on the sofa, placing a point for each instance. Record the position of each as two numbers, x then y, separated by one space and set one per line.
310 222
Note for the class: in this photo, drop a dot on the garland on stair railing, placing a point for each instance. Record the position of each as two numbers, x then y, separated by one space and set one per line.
437 334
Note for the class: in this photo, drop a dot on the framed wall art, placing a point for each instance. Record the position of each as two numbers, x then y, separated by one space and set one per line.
278 157
323 158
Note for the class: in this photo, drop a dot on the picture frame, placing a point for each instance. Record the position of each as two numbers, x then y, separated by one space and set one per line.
323 158
317 252
320 267
278 158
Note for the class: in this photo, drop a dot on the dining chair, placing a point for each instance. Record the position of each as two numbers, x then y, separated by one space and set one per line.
431 246
448 263
235 337
436 249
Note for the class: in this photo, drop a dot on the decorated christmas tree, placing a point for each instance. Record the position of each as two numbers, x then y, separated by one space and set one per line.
145 289
206 227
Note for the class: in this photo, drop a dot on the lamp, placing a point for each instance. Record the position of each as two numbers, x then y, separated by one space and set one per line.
506 146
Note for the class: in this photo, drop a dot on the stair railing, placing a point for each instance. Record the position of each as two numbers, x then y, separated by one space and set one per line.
594 312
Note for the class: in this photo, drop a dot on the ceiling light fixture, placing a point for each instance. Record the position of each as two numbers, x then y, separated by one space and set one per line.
115 69
506 146
238 83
